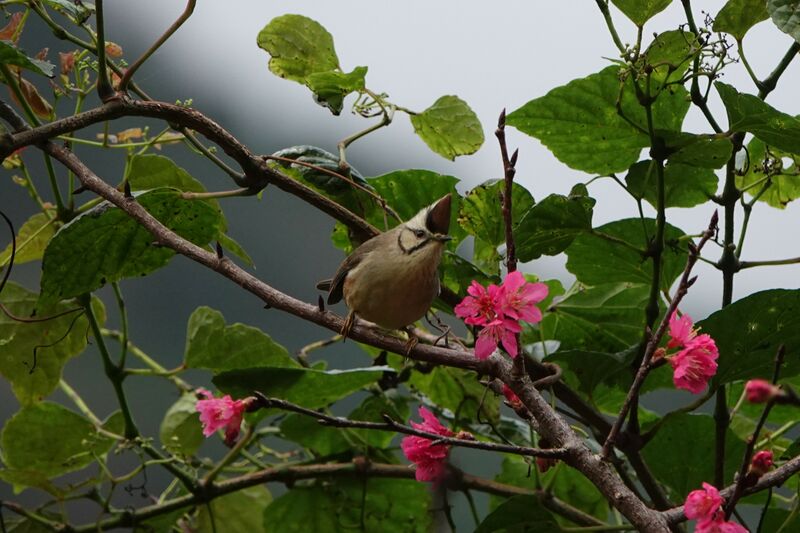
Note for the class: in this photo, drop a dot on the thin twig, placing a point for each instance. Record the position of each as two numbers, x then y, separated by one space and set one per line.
655 339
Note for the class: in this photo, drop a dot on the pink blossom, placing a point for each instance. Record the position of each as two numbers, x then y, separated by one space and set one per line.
218 413
430 458
761 463
681 330
500 331
760 391
718 524
696 364
703 503
482 306
519 298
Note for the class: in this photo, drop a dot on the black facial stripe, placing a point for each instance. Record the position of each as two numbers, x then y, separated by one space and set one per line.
413 248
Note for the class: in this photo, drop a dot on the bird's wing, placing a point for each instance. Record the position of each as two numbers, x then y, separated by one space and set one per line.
335 287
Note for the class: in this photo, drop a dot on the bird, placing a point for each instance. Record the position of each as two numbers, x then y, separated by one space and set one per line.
392 279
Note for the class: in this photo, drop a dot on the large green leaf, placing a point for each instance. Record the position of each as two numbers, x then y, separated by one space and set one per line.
408 191
749 331
688 440
550 226
151 171
458 390
318 157
738 16
180 430
385 505
299 46
783 185
449 127
704 151
33 354
213 345
372 409
786 16
330 88
684 185
749 113
519 513
32 238
640 11
240 511
580 124
607 317
481 210
52 440
304 386
585 371
105 244
78 11
11 55
600 257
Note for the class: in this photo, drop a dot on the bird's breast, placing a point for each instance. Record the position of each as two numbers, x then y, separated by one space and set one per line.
393 289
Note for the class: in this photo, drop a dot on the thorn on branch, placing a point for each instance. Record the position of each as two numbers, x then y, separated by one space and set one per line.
79 190
127 191
320 303
220 252
514 156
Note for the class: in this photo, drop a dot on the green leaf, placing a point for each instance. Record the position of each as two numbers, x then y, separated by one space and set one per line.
749 331
565 483
585 371
640 11
151 171
786 16
28 440
388 506
671 54
372 409
580 124
704 151
783 185
780 520
212 345
313 155
458 390
20 479
458 273
105 244
605 317
684 185
449 127
308 433
738 16
78 11
180 430
550 226
32 238
331 87
749 113
11 55
303 386
481 210
299 46
408 191
596 259
688 440
242 510
519 513
19 341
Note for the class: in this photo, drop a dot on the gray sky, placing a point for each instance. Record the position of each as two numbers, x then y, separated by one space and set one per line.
493 55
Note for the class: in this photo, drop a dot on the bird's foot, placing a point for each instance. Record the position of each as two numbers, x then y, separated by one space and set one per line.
348 325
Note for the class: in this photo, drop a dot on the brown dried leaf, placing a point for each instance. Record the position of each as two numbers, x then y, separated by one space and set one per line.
129 134
9 31
67 62
40 107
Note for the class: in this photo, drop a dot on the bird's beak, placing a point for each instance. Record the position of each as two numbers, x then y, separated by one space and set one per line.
438 221
442 238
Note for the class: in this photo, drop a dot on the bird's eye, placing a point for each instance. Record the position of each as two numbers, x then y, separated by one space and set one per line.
418 233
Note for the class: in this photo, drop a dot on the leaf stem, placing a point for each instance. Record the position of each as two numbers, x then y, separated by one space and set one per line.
104 89
603 6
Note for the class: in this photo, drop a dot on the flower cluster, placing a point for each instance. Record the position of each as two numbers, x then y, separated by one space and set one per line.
498 310
705 506
430 458
219 413
696 362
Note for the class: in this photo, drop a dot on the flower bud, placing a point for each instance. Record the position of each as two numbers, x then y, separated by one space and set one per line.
760 391
760 464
